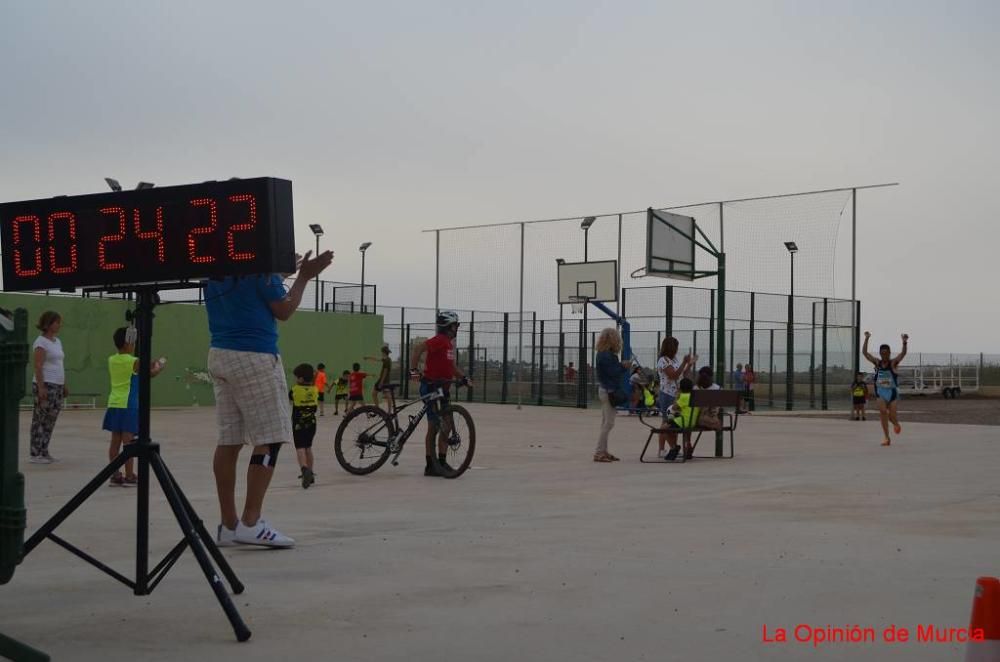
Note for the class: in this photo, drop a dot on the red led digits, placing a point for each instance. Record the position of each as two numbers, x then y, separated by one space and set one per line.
102 258
68 269
156 234
209 229
242 256
37 234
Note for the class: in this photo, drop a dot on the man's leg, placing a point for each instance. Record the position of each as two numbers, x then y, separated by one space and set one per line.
258 478
224 465
894 417
883 414
375 395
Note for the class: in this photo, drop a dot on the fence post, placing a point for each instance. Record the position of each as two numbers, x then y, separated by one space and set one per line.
541 362
824 403
503 367
750 352
404 373
581 374
732 354
857 336
812 358
770 373
694 348
534 322
406 384
472 353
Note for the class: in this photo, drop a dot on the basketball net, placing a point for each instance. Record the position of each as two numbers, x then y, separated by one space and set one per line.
576 306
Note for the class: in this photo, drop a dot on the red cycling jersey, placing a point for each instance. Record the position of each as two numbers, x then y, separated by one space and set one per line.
440 363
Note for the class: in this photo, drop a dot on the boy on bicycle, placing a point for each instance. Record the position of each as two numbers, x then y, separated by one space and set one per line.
439 370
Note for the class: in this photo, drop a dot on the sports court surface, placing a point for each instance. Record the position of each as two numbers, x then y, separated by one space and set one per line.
537 553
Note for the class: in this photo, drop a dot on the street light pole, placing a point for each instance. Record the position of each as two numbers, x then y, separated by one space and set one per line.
364 249
318 231
790 347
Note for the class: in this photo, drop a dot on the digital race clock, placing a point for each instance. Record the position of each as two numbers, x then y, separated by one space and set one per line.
170 234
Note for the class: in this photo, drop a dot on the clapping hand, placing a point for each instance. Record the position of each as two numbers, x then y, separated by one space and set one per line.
310 268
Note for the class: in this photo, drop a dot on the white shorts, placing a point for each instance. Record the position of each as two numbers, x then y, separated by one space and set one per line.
251 397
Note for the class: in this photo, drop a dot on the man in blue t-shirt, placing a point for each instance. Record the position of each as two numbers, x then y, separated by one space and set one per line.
251 394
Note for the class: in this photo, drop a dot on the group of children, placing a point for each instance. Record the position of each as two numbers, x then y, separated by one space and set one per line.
307 398
308 395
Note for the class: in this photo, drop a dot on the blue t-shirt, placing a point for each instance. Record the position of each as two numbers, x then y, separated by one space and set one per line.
239 312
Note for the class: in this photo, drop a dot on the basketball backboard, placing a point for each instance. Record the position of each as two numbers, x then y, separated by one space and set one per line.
670 245
588 281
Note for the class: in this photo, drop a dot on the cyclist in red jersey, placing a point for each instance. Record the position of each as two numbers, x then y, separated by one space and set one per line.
439 366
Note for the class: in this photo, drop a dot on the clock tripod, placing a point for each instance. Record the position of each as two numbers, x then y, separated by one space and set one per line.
148 458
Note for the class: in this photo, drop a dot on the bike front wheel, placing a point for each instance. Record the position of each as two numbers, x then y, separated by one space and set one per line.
456 441
362 441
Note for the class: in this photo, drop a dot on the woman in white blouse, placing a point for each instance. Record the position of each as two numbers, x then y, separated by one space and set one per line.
48 385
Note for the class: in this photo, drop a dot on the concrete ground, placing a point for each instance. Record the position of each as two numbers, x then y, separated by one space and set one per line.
537 553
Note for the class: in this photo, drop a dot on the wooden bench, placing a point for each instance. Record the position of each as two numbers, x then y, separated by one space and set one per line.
703 399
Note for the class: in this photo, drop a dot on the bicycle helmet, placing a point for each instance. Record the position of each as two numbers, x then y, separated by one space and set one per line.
447 318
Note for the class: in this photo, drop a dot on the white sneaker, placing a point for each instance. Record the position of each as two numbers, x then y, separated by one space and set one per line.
225 537
661 453
261 534
38 459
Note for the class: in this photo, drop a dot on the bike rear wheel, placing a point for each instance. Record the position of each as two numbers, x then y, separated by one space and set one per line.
459 434
362 441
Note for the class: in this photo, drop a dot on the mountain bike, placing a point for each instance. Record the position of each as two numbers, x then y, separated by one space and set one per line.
369 435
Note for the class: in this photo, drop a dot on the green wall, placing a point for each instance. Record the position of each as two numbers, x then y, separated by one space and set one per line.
180 332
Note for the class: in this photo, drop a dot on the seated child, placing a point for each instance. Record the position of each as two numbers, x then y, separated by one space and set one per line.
681 417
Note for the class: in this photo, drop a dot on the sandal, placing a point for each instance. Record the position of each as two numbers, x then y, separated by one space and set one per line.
614 458
602 457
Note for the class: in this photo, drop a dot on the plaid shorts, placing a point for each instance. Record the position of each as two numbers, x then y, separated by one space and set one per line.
251 397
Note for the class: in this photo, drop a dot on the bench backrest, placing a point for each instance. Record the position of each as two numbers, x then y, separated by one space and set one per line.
700 398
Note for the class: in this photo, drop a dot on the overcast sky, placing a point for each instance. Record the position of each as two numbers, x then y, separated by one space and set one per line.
392 117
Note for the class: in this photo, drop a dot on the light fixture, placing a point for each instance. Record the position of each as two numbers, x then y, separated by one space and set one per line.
364 246
560 261
792 248
316 229
587 222
141 186
113 184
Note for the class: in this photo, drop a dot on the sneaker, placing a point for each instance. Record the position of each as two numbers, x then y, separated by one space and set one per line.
445 466
308 477
688 455
662 453
225 537
50 459
130 481
39 459
117 480
261 534
671 454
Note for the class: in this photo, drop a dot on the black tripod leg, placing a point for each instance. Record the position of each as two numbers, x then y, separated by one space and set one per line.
206 537
15 650
172 493
99 480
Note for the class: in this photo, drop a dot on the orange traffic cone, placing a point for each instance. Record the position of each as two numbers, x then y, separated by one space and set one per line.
985 616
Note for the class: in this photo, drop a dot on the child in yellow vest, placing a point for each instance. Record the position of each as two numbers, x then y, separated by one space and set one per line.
122 417
859 395
683 418
305 400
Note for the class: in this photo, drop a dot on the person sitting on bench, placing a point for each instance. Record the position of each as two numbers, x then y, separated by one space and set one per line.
682 418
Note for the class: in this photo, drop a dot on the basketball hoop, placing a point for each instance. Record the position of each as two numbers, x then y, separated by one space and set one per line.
577 304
